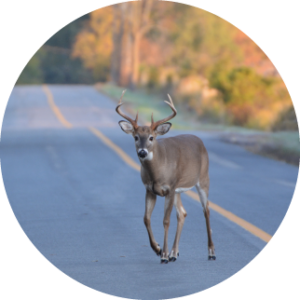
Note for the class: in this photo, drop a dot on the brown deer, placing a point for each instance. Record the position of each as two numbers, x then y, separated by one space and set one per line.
169 167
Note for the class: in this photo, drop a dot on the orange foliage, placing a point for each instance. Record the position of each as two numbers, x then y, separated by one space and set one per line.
254 57
94 43
152 53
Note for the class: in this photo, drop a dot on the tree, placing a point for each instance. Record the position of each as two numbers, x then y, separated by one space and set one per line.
199 40
139 23
93 44
32 73
251 99
53 62
130 23
110 42
121 63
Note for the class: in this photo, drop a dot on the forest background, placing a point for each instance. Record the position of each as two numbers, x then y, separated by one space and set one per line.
212 70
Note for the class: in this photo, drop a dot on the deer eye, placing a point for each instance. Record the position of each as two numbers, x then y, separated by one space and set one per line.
151 138
136 138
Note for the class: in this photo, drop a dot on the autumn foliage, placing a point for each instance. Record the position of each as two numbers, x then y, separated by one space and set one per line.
207 64
94 43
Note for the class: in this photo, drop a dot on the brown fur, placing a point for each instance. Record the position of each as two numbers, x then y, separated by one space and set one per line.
177 162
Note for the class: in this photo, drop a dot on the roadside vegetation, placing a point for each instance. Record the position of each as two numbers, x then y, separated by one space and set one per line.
220 78
280 144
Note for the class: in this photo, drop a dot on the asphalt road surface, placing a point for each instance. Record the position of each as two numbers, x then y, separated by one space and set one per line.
82 206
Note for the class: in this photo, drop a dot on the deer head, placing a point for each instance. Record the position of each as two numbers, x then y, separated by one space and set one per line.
145 136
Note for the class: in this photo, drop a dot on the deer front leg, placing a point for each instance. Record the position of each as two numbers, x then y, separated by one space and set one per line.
150 203
181 214
169 201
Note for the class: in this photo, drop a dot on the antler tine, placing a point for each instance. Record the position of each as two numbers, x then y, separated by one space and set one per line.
157 123
170 100
120 101
133 122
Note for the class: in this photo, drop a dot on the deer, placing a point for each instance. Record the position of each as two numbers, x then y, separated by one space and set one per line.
169 167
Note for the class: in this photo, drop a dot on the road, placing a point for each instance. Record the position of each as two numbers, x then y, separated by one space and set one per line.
82 205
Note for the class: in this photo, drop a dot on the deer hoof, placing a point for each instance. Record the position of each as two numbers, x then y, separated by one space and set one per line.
173 256
164 261
211 257
159 252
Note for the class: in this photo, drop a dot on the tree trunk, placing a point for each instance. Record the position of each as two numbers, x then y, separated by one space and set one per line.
121 60
126 61
135 61
129 24
117 44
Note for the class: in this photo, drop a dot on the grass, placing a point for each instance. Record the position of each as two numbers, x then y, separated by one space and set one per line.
282 145
145 104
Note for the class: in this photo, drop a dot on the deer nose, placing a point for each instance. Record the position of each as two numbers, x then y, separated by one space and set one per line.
142 153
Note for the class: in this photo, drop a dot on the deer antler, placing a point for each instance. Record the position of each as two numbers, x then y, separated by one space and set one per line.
157 123
133 122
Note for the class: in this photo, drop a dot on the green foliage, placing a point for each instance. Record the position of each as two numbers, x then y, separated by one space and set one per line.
185 35
239 84
286 121
199 40
153 79
93 44
189 52
32 73
59 67
244 91
101 71
53 63
218 45
65 37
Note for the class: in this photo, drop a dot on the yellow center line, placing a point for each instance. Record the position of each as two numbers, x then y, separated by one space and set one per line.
117 149
234 218
54 108
127 159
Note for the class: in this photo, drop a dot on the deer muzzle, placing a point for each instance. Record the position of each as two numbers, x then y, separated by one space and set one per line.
142 153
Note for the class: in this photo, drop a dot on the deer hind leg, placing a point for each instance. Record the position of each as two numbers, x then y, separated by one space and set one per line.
169 201
181 214
203 192
150 203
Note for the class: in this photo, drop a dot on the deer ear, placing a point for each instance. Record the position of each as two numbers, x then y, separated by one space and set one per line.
163 128
126 127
